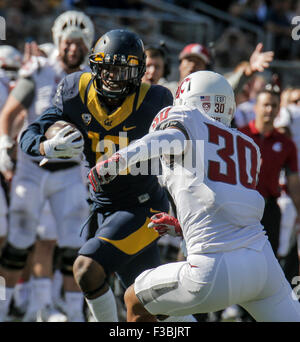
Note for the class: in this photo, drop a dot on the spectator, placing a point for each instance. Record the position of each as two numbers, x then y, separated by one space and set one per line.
245 111
277 152
157 64
195 57
288 121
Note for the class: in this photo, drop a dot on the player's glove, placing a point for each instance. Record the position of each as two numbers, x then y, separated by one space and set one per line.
66 143
164 223
6 163
106 171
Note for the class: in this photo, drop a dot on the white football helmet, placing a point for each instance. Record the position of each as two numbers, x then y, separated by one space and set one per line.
210 93
10 57
73 24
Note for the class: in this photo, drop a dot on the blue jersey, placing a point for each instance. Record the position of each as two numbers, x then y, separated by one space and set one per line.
77 101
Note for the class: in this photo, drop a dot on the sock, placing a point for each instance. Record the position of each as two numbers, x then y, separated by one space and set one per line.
21 294
42 292
74 306
187 318
31 312
104 308
5 300
57 283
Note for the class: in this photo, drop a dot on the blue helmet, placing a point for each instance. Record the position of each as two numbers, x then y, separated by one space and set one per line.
118 63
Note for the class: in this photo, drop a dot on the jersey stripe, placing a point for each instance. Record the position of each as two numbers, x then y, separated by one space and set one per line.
100 113
136 241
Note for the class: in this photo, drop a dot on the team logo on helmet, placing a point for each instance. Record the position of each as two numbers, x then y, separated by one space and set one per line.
182 87
206 106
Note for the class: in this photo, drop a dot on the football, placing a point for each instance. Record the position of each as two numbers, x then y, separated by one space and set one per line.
54 129
57 126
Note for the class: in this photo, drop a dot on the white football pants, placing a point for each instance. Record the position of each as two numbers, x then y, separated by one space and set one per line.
66 193
212 282
3 213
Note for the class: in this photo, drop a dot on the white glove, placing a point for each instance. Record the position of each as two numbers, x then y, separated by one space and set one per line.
63 144
6 163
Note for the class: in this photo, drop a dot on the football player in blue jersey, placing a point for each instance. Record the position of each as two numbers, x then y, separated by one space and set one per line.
111 107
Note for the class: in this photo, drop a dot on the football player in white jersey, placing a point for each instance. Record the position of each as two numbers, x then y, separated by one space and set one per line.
59 182
10 62
211 172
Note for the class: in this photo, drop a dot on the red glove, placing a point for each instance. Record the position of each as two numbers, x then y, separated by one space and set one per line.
164 223
105 171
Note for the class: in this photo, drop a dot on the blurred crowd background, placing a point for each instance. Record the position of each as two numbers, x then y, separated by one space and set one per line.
231 29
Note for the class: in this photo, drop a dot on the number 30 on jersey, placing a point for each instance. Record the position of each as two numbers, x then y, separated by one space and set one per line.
233 172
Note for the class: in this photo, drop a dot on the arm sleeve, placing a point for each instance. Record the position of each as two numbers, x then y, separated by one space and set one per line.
237 80
153 145
24 91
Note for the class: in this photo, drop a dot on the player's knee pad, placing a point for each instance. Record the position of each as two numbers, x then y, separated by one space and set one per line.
67 257
14 258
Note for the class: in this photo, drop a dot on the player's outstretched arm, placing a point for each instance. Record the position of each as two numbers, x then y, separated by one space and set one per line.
152 145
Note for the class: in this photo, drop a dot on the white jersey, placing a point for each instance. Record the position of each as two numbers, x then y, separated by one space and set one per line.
216 203
290 117
46 74
4 87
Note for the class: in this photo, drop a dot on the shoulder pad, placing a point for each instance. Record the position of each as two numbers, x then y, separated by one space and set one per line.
162 115
68 87
170 117
85 68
